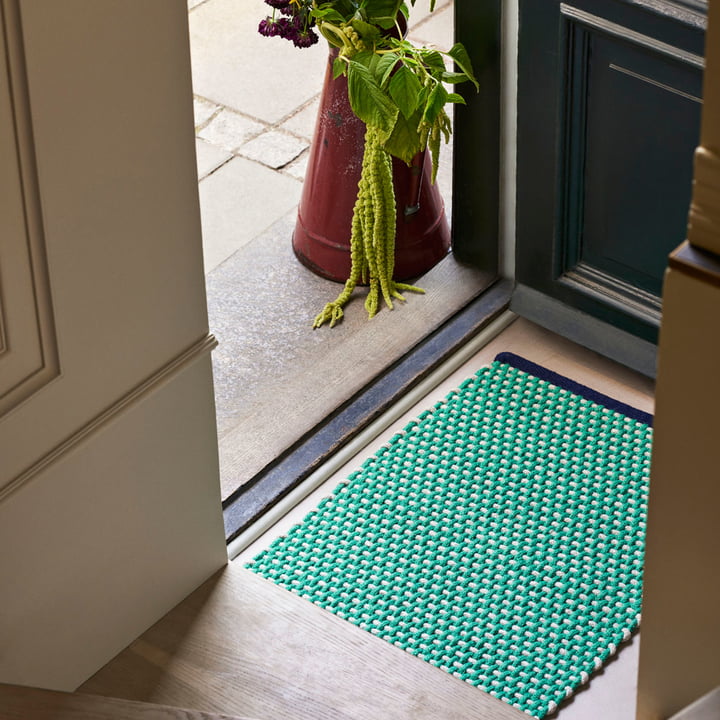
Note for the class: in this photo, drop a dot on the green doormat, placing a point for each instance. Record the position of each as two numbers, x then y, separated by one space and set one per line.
499 536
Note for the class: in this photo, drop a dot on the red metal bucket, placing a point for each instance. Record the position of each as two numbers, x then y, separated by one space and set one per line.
321 240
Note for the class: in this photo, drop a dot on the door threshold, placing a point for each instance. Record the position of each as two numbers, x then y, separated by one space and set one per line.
271 493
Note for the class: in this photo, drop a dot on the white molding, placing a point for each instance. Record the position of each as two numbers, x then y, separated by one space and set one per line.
200 348
704 221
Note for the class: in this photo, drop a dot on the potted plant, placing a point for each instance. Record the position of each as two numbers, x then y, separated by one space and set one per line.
399 92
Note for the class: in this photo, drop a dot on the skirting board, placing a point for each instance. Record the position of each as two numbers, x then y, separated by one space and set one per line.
111 535
586 330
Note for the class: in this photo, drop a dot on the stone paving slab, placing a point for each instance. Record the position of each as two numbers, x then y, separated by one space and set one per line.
421 11
436 30
232 65
261 304
230 130
298 168
274 148
209 157
302 123
204 110
238 202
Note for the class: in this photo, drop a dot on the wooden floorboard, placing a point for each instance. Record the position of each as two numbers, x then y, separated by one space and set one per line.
241 645
23 703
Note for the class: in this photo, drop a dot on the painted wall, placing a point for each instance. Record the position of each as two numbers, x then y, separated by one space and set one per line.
109 492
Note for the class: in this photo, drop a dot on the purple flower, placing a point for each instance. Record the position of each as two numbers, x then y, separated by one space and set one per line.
296 26
305 38
271 27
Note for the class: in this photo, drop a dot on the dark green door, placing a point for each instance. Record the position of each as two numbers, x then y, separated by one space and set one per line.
609 103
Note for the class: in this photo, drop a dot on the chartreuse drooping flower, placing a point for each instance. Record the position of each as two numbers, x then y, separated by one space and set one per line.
372 240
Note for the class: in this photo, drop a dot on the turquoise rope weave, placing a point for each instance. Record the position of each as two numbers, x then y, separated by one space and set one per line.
500 537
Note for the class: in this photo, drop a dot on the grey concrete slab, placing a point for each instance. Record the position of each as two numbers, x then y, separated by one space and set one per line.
273 148
230 130
276 377
238 202
209 157
261 304
233 65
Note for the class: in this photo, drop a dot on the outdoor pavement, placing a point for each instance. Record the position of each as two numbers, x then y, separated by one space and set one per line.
256 101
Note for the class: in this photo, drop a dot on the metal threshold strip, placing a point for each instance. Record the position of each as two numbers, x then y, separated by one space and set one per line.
256 506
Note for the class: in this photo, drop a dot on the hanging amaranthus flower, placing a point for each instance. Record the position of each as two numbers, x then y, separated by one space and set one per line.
372 240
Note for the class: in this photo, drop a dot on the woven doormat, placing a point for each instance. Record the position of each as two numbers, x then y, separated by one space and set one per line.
499 536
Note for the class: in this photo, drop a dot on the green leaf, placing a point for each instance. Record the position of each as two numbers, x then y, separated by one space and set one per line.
455 98
328 14
405 90
369 59
385 66
344 7
367 100
339 68
460 55
433 60
377 8
435 103
381 12
404 141
366 58
454 77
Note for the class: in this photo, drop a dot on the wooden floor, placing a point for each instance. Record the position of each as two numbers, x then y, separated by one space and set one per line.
23 703
243 646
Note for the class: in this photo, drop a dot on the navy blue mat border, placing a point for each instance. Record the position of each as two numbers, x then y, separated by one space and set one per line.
543 373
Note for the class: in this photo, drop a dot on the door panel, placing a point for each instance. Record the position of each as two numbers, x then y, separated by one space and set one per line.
609 104
109 495
635 193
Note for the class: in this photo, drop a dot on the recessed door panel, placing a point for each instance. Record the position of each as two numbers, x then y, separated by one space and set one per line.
609 104
643 119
